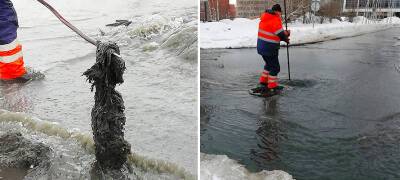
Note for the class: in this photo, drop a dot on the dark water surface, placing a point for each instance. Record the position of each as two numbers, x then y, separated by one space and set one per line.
339 117
12 173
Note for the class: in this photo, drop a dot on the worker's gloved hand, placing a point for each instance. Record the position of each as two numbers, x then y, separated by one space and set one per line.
288 40
287 33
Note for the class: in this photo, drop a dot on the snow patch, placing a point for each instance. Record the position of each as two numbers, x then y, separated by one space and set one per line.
242 33
394 20
220 167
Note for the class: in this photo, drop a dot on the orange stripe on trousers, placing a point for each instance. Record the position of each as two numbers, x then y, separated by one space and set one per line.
12 70
11 52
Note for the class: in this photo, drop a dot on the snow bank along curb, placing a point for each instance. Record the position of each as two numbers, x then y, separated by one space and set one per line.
242 33
220 167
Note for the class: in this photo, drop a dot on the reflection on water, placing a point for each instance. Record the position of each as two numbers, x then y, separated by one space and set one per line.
12 173
269 132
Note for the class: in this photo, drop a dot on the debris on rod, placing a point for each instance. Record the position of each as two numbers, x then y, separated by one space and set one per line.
108 118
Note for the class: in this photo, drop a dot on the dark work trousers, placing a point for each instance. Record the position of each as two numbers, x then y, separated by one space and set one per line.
272 64
8 22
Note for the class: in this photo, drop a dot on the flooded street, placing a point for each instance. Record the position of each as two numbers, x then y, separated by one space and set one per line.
160 88
338 118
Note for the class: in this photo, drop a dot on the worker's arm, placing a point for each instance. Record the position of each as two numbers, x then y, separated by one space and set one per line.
284 35
280 32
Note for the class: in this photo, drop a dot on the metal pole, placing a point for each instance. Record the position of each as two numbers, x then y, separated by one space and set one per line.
217 10
365 12
72 27
313 12
391 11
58 15
374 9
205 11
287 44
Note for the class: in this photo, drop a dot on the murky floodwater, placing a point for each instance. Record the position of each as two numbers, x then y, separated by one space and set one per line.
160 93
339 117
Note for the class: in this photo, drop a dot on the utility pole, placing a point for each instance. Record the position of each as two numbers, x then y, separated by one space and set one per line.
358 7
217 10
315 5
205 11
365 11
391 11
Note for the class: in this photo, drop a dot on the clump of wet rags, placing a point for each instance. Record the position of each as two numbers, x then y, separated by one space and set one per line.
22 158
108 118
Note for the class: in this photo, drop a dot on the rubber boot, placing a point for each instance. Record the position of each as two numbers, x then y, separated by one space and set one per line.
262 87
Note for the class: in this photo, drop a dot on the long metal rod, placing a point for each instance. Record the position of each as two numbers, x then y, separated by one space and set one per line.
72 27
68 24
287 44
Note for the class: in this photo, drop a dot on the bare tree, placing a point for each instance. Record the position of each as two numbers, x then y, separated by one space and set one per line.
298 8
330 10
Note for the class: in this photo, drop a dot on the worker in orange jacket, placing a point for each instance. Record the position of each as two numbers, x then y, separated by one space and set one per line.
11 59
270 34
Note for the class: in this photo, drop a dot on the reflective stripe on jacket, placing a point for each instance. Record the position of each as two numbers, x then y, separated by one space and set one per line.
270 33
269 27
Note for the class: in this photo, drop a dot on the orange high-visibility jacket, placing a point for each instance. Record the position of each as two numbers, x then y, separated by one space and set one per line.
270 33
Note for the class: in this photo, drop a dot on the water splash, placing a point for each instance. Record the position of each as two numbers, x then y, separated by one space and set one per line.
301 83
22 155
156 32
142 165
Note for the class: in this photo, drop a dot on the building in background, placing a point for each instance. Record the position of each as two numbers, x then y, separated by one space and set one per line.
214 10
253 8
381 8
232 11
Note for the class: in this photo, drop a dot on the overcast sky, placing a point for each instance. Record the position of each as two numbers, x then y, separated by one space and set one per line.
232 1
